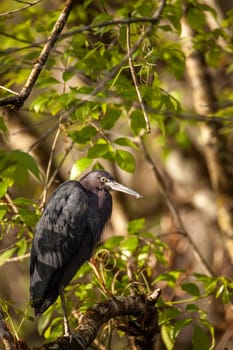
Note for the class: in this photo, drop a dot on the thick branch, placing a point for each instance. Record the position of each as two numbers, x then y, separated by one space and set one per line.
144 327
141 306
17 101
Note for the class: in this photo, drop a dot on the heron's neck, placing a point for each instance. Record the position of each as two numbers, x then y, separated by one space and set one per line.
105 203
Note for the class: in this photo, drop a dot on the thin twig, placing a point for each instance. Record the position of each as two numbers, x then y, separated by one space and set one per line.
11 203
46 187
9 90
18 101
32 126
52 178
42 137
134 77
17 258
12 12
124 21
166 193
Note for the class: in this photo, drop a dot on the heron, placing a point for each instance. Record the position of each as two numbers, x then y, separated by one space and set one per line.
67 233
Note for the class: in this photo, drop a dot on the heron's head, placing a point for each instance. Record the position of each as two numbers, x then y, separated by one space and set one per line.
101 180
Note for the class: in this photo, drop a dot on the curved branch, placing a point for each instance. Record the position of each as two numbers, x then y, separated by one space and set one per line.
145 327
17 101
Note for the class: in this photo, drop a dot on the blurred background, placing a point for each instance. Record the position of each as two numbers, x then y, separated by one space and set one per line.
83 113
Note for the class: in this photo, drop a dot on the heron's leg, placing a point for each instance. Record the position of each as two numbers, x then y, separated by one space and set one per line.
67 330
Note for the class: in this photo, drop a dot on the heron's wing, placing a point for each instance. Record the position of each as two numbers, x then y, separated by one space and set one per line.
59 235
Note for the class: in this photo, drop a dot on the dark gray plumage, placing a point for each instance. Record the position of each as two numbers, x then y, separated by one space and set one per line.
67 233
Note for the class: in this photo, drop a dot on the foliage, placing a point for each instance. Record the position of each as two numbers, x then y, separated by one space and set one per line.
86 87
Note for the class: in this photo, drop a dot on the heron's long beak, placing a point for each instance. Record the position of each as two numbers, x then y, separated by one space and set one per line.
115 186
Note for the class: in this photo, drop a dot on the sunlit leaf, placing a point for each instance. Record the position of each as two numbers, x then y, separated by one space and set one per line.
123 141
125 160
130 243
101 150
4 185
166 333
7 254
79 166
136 225
113 242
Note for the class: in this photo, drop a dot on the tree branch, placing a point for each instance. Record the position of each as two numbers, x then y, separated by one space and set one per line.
143 327
134 77
166 193
17 101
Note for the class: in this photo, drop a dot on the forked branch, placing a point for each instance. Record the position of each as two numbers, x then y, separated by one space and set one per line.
18 100
143 326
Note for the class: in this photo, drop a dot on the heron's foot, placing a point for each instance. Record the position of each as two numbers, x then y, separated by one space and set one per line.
67 330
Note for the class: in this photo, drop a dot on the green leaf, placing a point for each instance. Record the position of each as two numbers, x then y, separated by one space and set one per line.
170 277
137 122
26 161
123 141
191 288
27 216
22 247
196 18
180 325
43 322
7 254
130 243
15 165
192 308
46 81
110 118
79 166
3 211
136 225
101 150
113 242
23 201
125 160
200 339
40 103
166 333
4 185
83 135
68 74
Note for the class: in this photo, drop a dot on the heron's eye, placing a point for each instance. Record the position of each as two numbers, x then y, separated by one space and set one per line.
103 179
